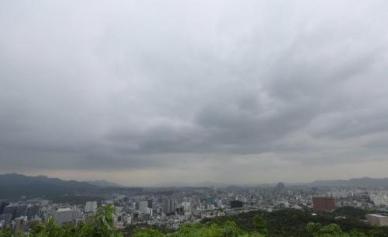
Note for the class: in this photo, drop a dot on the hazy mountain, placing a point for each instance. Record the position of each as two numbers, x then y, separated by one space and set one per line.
104 183
356 182
16 185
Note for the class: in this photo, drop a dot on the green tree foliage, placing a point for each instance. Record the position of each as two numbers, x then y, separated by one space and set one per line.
282 223
228 229
6 233
350 212
101 225
260 224
331 230
148 232
356 233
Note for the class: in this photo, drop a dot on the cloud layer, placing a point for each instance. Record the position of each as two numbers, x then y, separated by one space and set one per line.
146 92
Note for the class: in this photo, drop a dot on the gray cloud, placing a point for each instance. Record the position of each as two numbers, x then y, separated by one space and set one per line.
150 87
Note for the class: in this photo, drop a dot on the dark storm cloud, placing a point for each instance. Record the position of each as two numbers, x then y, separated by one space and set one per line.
143 85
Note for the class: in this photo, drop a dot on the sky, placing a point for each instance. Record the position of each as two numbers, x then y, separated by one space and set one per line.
194 91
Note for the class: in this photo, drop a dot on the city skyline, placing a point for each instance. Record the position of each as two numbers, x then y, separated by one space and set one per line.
150 93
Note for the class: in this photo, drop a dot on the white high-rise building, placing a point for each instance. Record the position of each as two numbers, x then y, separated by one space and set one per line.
67 215
91 207
143 206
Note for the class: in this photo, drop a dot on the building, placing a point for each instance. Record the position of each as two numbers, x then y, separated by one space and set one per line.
20 224
324 204
5 219
3 204
33 211
11 210
150 203
66 215
377 219
21 210
186 208
169 206
236 204
91 207
142 206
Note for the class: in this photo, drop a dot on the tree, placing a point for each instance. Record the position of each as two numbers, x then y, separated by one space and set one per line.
331 230
148 232
260 224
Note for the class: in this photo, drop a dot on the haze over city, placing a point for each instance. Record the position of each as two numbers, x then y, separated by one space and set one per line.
146 93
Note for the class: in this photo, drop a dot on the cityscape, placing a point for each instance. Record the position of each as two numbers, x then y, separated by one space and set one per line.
172 207
193 118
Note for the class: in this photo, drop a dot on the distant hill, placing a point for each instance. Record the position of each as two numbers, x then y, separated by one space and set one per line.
356 182
104 184
16 186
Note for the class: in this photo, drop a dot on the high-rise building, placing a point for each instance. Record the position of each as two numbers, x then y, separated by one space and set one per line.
236 204
150 203
324 204
33 211
66 215
21 210
2 206
143 206
10 210
91 207
169 206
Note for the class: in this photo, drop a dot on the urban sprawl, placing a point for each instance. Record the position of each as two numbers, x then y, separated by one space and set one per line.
172 207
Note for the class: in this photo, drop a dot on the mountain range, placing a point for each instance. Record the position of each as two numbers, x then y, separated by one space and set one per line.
17 185
104 184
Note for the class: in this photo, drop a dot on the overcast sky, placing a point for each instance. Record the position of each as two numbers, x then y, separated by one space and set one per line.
169 92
